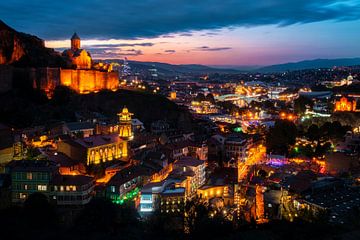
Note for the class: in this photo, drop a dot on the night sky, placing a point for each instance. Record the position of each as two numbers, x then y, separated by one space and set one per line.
216 32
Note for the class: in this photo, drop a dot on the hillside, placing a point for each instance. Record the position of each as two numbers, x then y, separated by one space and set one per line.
66 105
24 50
310 64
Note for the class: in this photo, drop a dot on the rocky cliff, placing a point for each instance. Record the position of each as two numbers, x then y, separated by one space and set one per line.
24 50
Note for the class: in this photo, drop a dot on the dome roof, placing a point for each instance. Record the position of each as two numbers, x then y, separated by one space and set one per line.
125 110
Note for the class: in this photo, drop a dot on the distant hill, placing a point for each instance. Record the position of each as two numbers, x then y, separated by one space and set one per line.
25 50
174 69
310 64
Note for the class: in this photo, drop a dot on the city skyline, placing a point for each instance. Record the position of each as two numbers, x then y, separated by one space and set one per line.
216 33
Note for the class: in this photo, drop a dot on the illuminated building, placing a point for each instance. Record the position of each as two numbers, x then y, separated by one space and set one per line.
150 194
173 95
80 58
345 105
72 190
203 107
125 184
192 171
165 195
82 76
97 149
125 130
209 192
172 200
30 176
236 147
8 149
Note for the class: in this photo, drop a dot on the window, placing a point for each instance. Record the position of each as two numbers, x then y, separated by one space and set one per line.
26 187
55 188
22 195
42 187
112 188
61 188
29 176
67 188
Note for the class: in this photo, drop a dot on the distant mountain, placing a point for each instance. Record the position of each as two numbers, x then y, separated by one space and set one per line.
25 50
310 64
243 68
174 69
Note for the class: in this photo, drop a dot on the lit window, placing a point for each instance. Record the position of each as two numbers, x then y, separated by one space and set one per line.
29 176
55 188
112 188
61 188
67 188
42 187
26 187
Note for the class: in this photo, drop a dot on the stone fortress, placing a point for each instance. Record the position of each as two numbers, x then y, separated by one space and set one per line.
83 76
45 69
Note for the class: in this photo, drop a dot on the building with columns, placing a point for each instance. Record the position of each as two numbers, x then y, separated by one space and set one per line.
98 149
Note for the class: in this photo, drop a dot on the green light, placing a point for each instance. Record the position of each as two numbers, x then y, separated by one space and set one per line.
296 149
238 129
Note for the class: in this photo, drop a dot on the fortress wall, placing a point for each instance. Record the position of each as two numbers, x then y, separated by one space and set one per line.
84 81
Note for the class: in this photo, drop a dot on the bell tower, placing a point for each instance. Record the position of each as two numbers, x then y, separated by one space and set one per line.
75 42
125 130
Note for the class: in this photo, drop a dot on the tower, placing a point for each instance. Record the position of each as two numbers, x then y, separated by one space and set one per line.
125 130
75 42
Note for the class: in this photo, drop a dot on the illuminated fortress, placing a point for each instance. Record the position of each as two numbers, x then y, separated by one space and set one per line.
83 76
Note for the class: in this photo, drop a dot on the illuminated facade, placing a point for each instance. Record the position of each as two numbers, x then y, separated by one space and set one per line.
97 149
345 105
80 58
125 129
83 76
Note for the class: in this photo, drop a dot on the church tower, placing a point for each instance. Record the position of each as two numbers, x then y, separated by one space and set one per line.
125 130
75 42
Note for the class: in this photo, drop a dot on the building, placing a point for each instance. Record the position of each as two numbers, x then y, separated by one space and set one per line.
98 149
192 171
82 75
72 189
172 200
82 129
6 144
126 184
95 149
80 58
236 147
208 192
30 176
345 105
125 130
165 195
150 197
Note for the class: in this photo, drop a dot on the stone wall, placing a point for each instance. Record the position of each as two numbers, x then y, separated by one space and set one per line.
84 81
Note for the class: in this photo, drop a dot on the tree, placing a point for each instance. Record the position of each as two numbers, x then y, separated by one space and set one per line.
38 212
200 97
313 133
281 136
210 98
300 104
